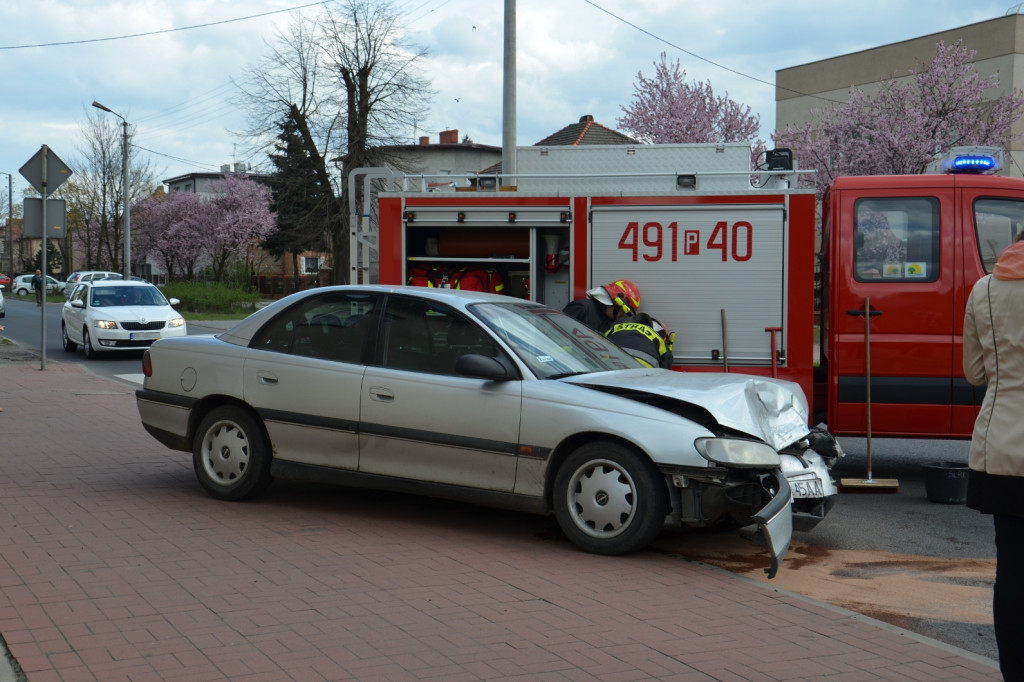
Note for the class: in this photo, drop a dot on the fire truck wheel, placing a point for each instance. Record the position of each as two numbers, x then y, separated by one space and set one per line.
231 454
609 499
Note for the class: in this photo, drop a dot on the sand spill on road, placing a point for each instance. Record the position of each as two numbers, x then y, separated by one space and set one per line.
893 588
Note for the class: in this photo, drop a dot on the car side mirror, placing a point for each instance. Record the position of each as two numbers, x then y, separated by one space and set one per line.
173 301
479 366
77 303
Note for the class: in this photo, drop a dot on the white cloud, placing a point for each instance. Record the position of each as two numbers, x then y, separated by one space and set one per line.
573 58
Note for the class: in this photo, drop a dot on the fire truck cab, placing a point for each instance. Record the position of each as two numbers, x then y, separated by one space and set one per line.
901 253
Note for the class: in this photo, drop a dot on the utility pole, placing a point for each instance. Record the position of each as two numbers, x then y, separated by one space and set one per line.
125 192
10 225
509 164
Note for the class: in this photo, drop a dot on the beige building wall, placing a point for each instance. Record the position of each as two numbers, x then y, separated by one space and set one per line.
999 46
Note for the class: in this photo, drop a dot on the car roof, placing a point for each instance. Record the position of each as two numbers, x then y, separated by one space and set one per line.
116 283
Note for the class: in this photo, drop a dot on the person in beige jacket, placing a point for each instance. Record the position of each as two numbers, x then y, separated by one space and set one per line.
994 356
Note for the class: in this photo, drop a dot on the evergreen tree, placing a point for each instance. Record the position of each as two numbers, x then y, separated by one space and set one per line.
302 204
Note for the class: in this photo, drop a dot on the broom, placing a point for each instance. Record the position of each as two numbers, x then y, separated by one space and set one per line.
870 483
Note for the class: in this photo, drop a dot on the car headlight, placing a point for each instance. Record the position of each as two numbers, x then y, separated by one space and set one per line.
736 452
106 324
176 322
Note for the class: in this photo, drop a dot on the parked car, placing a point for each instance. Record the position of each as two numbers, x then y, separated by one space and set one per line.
89 276
3 307
483 398
5 281
23 285
110 314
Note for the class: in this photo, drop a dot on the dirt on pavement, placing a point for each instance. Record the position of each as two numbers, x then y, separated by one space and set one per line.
899 589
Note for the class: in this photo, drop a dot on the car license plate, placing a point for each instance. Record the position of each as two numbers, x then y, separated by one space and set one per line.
142 336
806 488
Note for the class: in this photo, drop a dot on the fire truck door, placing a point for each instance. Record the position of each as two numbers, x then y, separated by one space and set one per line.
897 253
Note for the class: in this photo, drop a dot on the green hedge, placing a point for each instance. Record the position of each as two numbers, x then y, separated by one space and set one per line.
203 297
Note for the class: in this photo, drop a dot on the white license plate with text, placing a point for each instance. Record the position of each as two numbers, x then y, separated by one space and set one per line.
807 488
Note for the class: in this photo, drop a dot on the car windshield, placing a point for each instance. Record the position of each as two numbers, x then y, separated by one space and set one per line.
115 296
552 343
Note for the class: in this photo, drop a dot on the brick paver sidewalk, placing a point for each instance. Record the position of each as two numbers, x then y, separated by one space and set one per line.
115 566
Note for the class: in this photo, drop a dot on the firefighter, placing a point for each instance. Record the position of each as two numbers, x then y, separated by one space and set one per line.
604 305
645 339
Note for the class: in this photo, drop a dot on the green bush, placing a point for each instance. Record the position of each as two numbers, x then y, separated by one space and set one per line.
210 297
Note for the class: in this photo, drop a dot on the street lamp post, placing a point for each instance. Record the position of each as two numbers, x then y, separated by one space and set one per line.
125 191
10 224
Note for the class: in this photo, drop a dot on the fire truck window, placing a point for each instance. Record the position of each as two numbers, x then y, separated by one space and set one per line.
896 239
996 223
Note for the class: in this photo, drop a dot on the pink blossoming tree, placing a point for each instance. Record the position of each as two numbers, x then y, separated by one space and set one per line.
901 128
668 110
187 232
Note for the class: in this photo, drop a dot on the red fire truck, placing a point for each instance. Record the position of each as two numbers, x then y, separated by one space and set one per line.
730 260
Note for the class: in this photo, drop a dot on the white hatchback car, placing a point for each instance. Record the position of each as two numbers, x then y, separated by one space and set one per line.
113 314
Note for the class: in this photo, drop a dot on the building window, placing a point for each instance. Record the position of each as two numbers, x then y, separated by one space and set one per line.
310 265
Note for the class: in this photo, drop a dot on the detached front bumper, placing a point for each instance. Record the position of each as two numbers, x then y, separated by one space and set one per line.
775 523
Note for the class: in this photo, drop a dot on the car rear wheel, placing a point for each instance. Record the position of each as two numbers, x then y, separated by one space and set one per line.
69 345
610 499
90 352
231 454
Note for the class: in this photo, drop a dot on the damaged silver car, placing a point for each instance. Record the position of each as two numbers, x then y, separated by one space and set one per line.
491 400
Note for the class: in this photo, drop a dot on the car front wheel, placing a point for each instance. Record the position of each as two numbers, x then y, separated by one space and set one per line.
69 345
90 352
231 454
610 499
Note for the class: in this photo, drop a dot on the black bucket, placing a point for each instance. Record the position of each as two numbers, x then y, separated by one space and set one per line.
945 482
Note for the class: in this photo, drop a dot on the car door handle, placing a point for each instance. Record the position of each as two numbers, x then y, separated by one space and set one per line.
860 313
381 394
268 379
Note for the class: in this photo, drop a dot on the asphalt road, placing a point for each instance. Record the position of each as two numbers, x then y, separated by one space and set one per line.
23 324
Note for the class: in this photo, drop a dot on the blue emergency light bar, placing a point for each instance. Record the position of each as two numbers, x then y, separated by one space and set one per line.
969 160
974 163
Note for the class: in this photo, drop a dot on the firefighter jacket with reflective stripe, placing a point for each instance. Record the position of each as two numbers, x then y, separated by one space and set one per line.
642 342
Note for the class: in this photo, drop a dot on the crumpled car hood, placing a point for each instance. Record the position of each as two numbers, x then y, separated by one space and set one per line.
773 410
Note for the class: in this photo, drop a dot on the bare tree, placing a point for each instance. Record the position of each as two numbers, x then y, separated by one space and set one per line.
95 194
350 84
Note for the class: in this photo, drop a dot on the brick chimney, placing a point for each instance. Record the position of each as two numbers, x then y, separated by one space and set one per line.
424 139
449 137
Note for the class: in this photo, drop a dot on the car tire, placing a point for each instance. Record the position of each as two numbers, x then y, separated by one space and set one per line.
610 499
69 345
90 352
21 292
231 454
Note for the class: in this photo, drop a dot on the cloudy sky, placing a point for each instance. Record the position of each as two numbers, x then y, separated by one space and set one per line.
168 66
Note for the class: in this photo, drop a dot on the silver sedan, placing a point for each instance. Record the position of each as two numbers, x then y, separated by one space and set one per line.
483 398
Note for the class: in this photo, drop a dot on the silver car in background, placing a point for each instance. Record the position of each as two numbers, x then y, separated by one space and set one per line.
482 398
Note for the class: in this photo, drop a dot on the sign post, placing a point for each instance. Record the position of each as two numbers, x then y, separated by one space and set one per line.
46 172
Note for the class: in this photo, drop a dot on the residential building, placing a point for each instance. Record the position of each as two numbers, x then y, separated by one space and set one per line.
445 164
999 47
